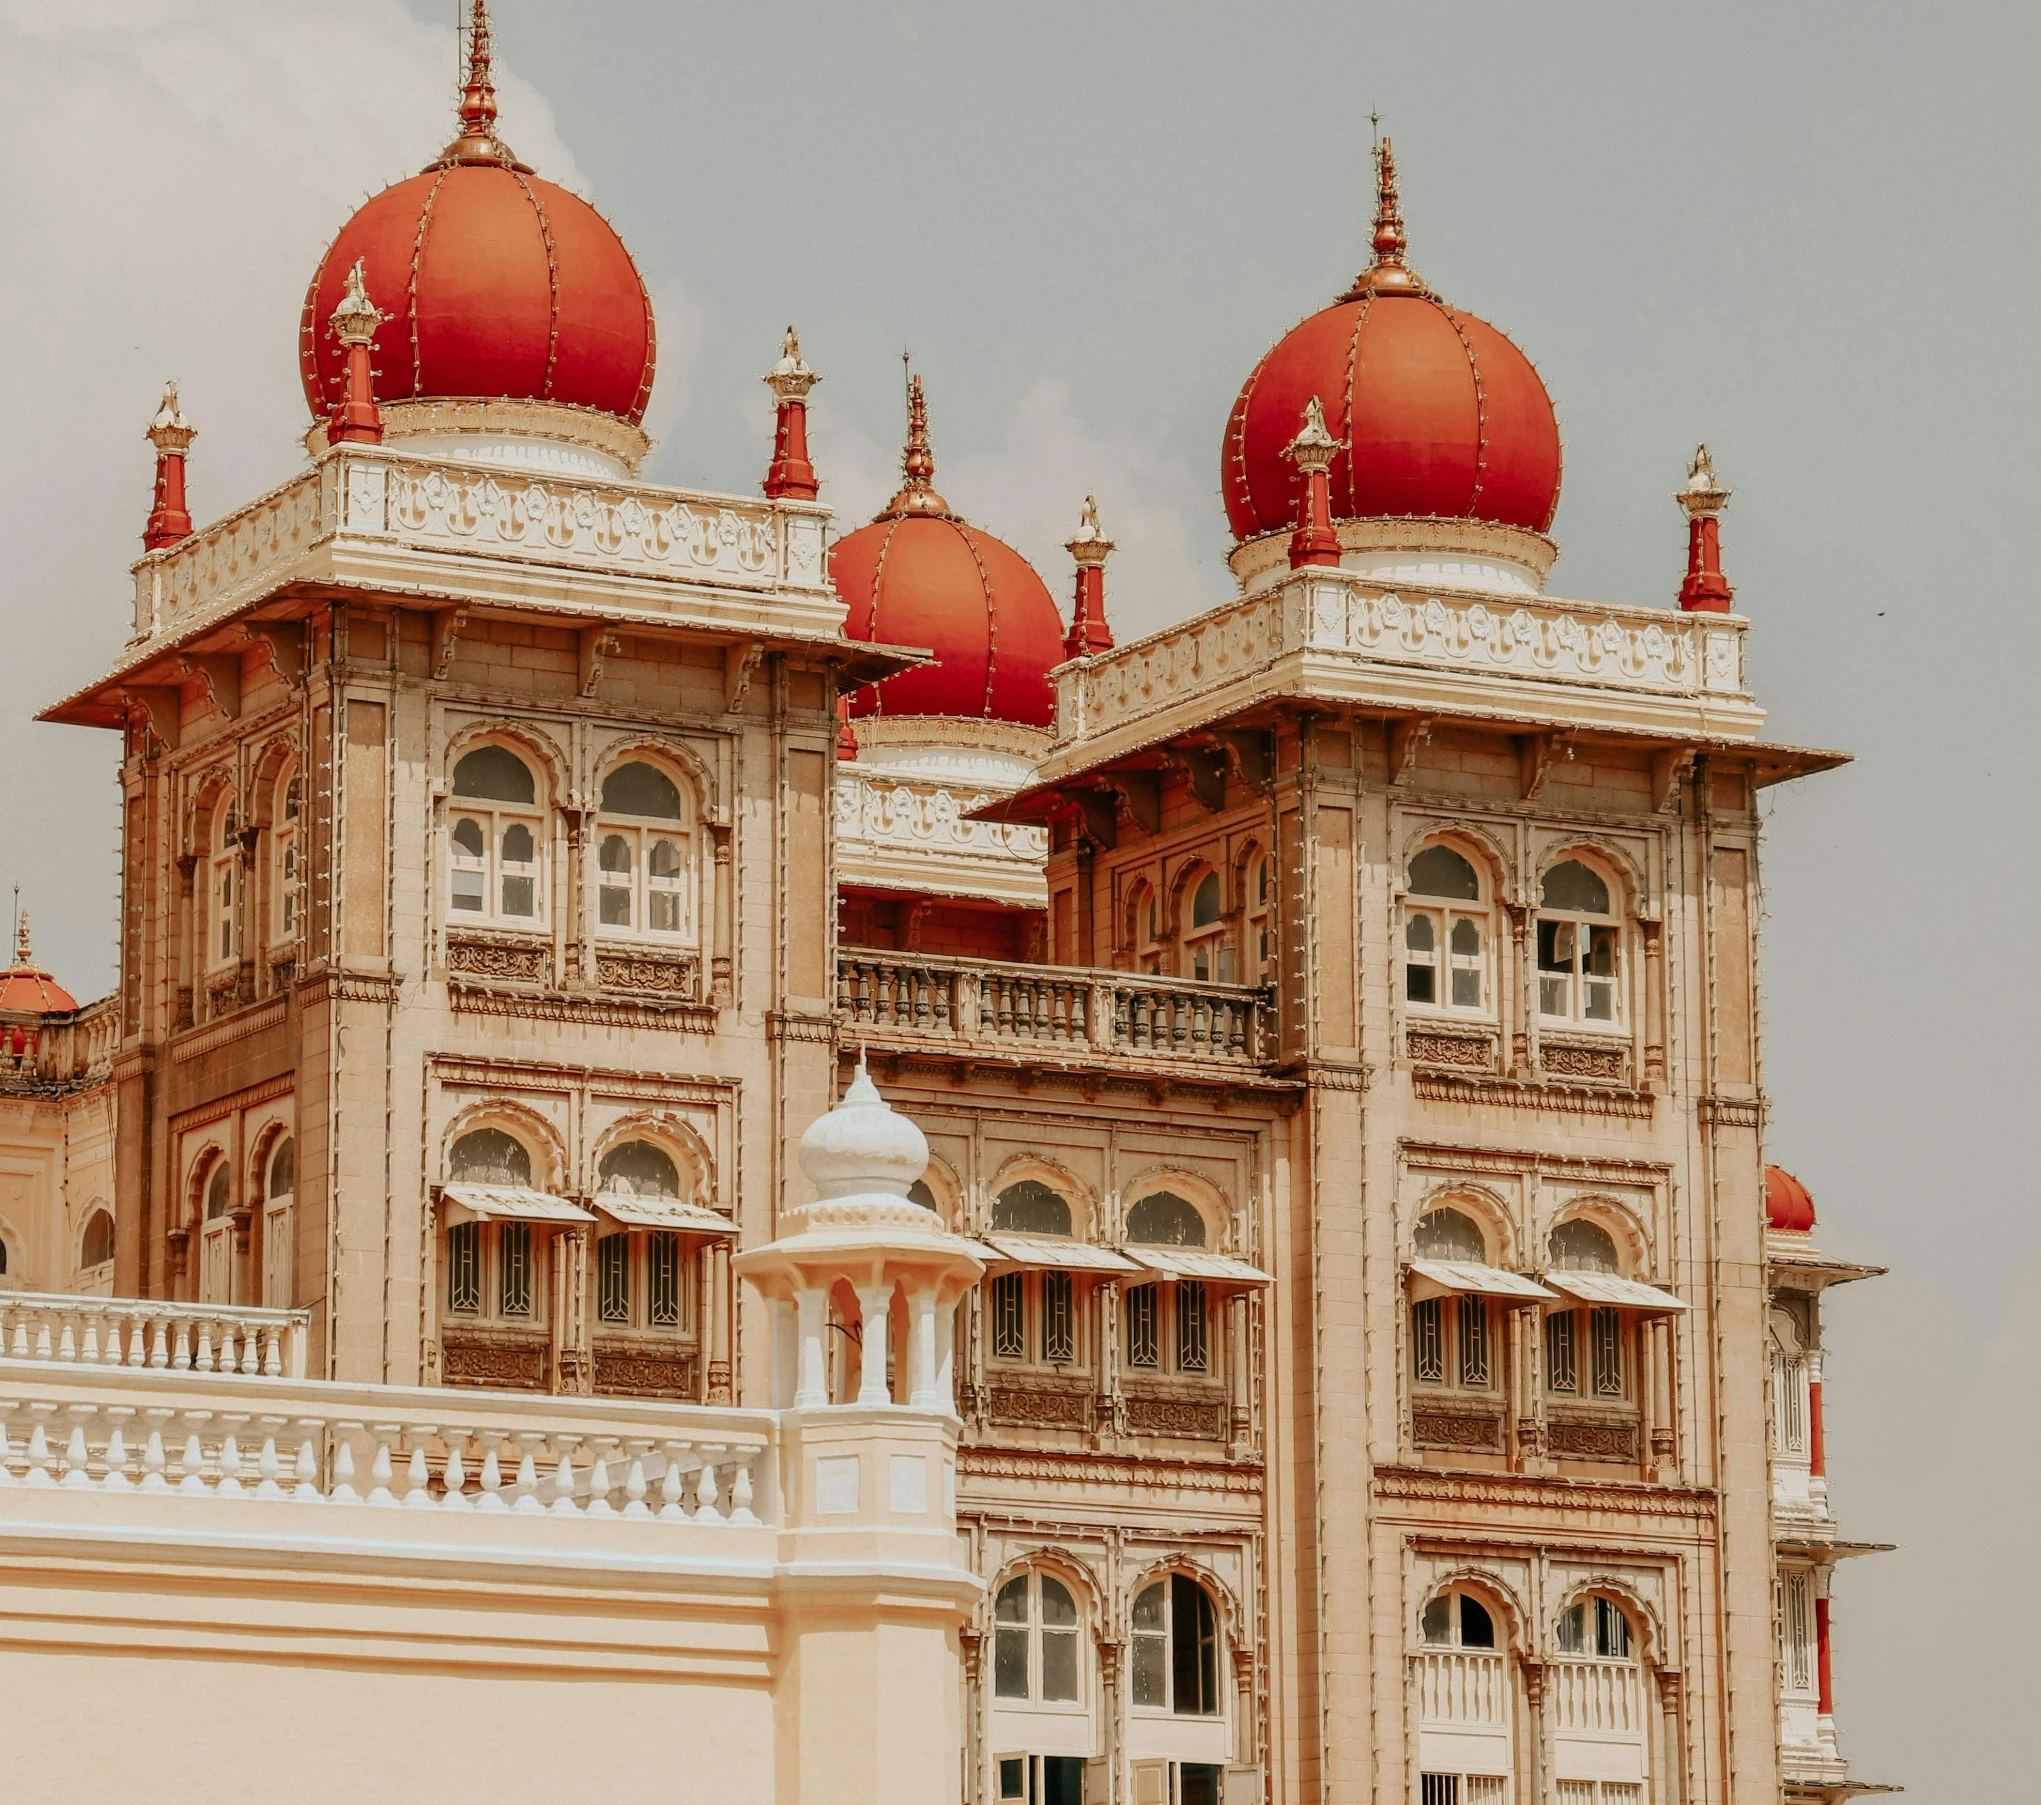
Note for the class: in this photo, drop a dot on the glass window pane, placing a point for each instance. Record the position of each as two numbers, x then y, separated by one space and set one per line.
662 1280
1440 871
488 1156
1466 988
1013 1777
1555 997
1148 1608
517 896
1030 1208
663 909
1559 1365
1572 885
1011 1606
613 1278
1477 1628
467 890
1437 1625
1606 1329
1143 1343
1601 952
1580 1245
613 905
1420 984
1417 934
665 859
1192 1324
517 844
1010 1663
615 854
1009 1333
1059 1318
1446 1234
1205 904
642 790
1428 1341
1473 1327
1151 1673
1466 938
467 837
1058 1607
1600 1001
494 774
1555 946
1572 1637
1612 1630
1163 1219
1059 1664
515 1258
638 1169
464 1268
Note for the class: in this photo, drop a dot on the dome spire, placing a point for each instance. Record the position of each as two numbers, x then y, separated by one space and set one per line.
1706 590
171 434
917 463
477 141
1388 274
1089 548
790 380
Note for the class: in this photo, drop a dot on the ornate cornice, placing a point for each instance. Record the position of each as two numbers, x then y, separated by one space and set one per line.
1109 1471
680 1018
1517 1093
1418 1485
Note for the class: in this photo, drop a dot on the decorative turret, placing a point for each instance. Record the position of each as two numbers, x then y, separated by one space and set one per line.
1706 590
171 433
1387 274
357 420
862 1158
1312 451
790 380
1089 631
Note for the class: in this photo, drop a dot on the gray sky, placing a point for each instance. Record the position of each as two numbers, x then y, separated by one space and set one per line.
1805 233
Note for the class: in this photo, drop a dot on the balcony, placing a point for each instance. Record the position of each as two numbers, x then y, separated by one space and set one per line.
48 1056
1050 1015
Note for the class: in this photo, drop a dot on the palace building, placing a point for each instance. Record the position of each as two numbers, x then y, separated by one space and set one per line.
734 1153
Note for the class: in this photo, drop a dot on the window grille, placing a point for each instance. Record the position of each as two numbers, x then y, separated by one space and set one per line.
1487 1789
1787 1375
1440 1789
1143 1307
1428 1340
1799 1627
613 1278
1059 1318
662 1286
1192 1334
1009 1317
514 1258
1473 1341
1559 1352
1605 1327
464 1268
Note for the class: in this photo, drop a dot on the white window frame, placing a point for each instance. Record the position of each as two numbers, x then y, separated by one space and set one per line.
1166 1636
1035 1630
1442 916
494 820
1576 978
286 853
225 903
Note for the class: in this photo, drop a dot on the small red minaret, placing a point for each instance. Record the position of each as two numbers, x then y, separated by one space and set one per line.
171 433
357 420
1312 451
1089 632
790 380
1706 590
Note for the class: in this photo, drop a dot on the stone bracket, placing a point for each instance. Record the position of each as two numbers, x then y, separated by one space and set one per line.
739 664
1537 753
284 640
446 634
1405 737
594 644
221 674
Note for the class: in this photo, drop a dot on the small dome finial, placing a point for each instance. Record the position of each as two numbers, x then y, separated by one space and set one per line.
171 434
24 957
1388 274
1705 590
862 1147
917 463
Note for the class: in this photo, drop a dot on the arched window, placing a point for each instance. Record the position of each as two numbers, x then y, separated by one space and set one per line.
1163 1219
494 839
1169 1327
95 1247
1031 1208
1446 936
216 1237
1204 933
918 1192
1453 1340
1457 1619
1035 1643
1579 969
1176 1648
279 1218
1464 1704
488 1156
638 1169
1261 945
1144 929
1595 1627
1585 1349
644 855
284 854
223 941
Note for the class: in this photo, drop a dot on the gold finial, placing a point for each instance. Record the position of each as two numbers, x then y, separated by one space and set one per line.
24 959
170 430
1702 496
477 141
1388 274
1314 447
917 463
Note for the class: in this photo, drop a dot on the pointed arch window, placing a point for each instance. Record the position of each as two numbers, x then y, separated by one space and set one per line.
645 859
1036 1653
1586 1349
286 853
495 841
1205 955
1453 1340
1176 1648
223 938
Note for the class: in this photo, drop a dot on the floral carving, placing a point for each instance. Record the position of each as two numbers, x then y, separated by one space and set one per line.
1455 1429
1430 1047
648 974
1194 1418
497 959
1566 1061
1039 1406
629 1373
1592 1441
515 1366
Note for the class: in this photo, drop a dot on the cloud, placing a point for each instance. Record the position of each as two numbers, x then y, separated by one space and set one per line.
170 172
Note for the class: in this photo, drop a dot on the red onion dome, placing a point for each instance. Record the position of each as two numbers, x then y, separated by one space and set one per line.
495 285
919 576
1440 414
26 988
1789 1205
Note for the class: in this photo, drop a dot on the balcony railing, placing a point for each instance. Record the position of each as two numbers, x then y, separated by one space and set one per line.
213 1435
137 1332
38 1053
1050 1009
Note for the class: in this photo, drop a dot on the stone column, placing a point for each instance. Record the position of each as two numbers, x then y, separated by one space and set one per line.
875 1303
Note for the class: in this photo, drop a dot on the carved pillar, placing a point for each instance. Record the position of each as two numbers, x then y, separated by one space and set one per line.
1244 1658
1236 1373
971 1643
1664 1440
1106 1314
722 938
1669 1716
187 939
1109 1670
1654 1002
811 1372
875 1303
1531 1397
1537 1743
573 1358
1087 898
1520 1432
1522 958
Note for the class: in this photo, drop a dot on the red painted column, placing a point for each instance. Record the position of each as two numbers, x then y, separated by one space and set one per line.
1817 1454
791 474
1089 632
1312 451
1706 590
1821 1661
357 420
171 433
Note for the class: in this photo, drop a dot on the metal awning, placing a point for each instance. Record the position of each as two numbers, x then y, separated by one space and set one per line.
1050 1253
1621 1294
1433 1278
1197 1263
510 1203
663 1213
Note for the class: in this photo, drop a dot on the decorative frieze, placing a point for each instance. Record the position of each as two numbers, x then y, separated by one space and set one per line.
1578 1059
502 959
1440 1046
1193 1419
1574 1439
650 974
1108 1473
1039 1406
1457 1429
1511 1093
624 1371
501 1362
1567 1499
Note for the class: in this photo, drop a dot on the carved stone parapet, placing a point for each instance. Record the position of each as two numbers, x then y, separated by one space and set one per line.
1591 1438
1598 1061
663 975
1187 1417
1037 1405
500 1360
1428 1045
1471 1431
503 958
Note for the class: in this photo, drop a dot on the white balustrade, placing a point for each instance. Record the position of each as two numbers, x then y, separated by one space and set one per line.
140 1332
1457 1687
1596 1698
222 1435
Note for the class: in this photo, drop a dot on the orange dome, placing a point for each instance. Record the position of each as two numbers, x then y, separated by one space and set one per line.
495 285
919 576
25 988
1789 1205
1440 414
